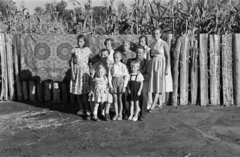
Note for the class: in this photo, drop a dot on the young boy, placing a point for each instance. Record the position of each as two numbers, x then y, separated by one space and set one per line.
127 53
118 80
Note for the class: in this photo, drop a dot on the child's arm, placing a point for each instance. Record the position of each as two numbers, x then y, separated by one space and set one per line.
110 77
140 89
73 68
128 88
126 78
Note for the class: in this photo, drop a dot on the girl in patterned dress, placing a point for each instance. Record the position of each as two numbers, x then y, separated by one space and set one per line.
80 78
99 90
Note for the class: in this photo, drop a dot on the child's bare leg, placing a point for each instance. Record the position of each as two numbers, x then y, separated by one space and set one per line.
115 102
131 110
120 107
107 107
156 96
95 111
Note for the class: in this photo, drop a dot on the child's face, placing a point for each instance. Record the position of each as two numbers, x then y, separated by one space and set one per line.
104 56
108 45
126 46
135 68
140 53
101 72
117 57
81 42
142 42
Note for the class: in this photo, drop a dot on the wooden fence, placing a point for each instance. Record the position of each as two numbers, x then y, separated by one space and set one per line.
204 71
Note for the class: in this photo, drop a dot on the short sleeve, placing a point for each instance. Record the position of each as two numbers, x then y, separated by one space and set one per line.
140 78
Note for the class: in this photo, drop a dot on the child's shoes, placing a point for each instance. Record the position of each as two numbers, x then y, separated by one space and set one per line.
135 118
115 117
130 118
119 117
107 117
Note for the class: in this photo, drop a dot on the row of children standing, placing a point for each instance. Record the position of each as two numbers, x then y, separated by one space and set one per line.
116 78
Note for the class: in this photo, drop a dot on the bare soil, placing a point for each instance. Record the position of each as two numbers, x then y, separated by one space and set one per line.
53 129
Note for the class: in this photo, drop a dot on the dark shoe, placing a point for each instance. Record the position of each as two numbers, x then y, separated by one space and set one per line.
141 118
125 117
107 117
87 117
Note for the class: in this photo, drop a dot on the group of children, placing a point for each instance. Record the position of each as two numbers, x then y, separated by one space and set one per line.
103 79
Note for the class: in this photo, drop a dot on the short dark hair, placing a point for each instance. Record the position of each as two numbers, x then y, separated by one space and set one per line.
102 50
140 47
157 28
84 39
145 37
109 39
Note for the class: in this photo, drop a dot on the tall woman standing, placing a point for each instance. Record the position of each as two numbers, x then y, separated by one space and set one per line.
80 80
160 63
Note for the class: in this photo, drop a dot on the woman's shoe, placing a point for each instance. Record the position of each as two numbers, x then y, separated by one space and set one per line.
95 119
115 117
130 117
80 113
119 118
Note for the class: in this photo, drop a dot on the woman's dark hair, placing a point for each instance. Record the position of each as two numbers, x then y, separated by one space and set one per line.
140 47
145 37
109 39
102 50
84 39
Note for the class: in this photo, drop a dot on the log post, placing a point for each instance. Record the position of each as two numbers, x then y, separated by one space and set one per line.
17 51
47 91
175 71
227 72
203 58
32 91
236 68
56 92
214 69
184 70
9 56
194 72
4 88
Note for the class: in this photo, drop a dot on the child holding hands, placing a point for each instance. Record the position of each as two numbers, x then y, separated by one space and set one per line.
135 86
118 79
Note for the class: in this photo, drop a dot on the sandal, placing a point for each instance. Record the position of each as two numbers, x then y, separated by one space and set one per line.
95 119
119 118
80 113
115 117
130 118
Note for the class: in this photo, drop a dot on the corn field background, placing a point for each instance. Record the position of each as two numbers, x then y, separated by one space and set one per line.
174 17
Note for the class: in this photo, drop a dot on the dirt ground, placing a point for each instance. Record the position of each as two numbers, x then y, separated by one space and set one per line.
53 129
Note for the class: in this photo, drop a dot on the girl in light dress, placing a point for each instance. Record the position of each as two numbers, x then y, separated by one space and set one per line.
109 45
135 86
80 75
99 91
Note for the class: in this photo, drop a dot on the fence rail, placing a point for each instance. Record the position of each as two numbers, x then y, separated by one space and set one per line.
204 70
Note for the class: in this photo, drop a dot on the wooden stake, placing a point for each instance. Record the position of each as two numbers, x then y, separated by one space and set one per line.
17 51
175 71
203 58
214 69
227 72
184 71
194 72
236 68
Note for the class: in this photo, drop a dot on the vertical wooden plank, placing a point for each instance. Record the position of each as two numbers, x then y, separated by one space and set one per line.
184 70
9 55
64 92
25 90
203 58
32 91
227 75
214 69
4 90
16 60
56 91
47 91
236 68
39 91
176 55
194 72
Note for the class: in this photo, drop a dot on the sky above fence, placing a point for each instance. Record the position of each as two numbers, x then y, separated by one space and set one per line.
32 4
